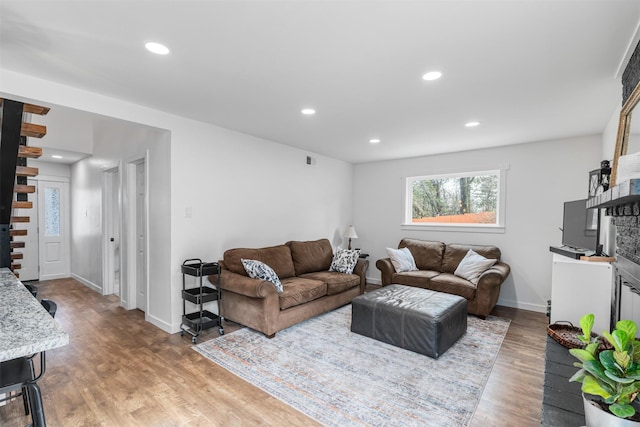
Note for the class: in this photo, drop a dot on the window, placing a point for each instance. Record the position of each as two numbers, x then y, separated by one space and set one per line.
51 212
471 199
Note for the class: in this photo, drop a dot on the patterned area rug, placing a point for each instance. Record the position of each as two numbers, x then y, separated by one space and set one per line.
340 378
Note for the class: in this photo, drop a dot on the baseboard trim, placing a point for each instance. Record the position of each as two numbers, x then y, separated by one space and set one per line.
522 305
161 324
87 283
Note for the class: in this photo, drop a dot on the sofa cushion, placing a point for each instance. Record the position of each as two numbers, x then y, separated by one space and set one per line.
311 256
260 270
345 260
336 282
276 257
402 259
299 290
427 254
454 253
452 284
418 278
473 265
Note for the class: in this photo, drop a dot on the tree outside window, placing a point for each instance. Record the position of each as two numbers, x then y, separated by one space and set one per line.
455 199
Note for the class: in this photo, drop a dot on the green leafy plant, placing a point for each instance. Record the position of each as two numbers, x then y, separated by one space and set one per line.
614 375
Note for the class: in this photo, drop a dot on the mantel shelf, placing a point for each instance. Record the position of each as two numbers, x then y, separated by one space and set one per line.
621 194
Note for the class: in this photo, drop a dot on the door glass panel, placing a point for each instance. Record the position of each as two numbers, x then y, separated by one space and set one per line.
51 211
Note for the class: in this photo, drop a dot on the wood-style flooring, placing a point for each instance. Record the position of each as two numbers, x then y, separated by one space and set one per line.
119 370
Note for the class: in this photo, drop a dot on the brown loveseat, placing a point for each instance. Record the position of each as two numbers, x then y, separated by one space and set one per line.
436 263
309 288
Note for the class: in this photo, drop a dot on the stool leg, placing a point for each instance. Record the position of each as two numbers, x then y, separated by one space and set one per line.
37 411
25 400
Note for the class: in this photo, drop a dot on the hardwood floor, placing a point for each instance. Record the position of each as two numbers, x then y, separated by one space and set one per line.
119 370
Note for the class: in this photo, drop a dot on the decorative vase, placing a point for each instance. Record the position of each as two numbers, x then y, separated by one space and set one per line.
595 416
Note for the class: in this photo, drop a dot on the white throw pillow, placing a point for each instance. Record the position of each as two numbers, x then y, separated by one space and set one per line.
259 270
473 265
402 259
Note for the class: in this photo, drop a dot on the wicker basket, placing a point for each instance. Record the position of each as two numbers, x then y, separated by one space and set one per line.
567 336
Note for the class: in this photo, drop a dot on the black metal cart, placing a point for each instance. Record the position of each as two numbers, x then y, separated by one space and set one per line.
196 322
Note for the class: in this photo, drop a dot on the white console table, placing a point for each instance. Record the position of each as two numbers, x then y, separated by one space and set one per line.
581 287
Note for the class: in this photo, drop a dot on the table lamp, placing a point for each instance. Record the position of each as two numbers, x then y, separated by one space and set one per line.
350 233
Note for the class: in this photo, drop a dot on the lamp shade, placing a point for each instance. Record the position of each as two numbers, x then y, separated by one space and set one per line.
350 232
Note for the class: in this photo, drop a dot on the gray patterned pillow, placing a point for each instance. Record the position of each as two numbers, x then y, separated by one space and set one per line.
260 270
344 261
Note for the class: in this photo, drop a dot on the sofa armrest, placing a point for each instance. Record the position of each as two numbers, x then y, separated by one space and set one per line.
361 270
254 288
494 276
386 270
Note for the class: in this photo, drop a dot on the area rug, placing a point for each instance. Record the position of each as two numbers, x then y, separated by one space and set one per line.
340 378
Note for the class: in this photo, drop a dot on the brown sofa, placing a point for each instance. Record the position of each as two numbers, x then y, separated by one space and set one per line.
436 262
309 288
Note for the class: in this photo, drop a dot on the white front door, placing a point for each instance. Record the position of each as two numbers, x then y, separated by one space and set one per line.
54 229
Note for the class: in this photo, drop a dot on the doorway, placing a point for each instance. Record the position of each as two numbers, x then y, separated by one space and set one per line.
137 220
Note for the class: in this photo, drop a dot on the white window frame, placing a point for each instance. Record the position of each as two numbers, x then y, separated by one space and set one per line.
498 227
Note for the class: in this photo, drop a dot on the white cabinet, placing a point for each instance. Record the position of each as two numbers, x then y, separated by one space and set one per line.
629 303
581 287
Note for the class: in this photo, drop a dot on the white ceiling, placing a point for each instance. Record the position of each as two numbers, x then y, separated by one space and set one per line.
527 70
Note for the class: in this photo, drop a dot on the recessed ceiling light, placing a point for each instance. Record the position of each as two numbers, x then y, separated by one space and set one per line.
56 156
374 140
432 75
157 48
308 111
472 124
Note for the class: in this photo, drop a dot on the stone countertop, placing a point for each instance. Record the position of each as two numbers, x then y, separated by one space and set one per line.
26 327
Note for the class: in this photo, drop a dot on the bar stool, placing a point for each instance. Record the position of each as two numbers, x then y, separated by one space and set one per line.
23 368
32 289
17 374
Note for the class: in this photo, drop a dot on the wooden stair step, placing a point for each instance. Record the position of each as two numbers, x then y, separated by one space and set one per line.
29 152
17 232
17 244
33 109
15 219
22 189
21 205
33 130
16 266
26 171
16 255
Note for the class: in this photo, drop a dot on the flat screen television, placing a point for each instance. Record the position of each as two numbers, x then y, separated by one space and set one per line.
579 226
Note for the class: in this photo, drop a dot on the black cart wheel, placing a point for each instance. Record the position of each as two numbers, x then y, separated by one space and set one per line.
221 331
181 333
194 339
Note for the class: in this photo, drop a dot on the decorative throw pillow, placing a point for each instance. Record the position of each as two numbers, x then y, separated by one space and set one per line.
402 259
260 270
344 261
473 265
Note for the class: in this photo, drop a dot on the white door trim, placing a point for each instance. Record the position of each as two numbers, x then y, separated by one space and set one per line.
131 240
107 232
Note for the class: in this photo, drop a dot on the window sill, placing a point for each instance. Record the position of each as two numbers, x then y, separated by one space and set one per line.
464 228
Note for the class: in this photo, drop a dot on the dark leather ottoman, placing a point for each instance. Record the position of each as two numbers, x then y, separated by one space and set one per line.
416 319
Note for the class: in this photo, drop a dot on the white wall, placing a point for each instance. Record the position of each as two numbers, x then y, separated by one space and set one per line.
541 176
50 168
242 191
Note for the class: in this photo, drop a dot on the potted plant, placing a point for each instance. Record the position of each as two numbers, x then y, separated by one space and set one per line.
611 375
